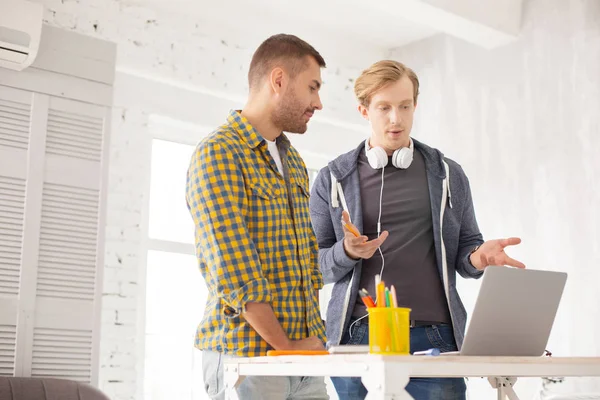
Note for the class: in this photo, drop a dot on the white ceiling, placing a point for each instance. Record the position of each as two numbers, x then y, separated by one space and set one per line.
354 32
342 20
350 29
348 33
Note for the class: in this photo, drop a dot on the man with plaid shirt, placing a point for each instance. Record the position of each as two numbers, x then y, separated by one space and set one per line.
247 191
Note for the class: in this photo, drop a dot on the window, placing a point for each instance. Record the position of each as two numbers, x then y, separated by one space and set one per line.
175 303
175 290
169 219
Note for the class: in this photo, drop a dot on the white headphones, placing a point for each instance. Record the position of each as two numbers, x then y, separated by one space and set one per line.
377 157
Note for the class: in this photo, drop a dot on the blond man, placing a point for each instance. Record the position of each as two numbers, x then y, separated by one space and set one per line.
417 229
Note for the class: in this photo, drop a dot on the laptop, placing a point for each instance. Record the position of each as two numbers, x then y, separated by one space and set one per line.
514 312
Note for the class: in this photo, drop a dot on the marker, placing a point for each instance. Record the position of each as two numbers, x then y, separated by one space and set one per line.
366 299
367 295
381 293
430 352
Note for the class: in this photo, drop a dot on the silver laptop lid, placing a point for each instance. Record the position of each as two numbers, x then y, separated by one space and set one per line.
514 312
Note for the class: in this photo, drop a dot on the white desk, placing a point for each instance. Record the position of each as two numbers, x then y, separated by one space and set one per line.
385 377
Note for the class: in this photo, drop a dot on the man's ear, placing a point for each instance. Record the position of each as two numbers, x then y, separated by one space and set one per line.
364 111
277 80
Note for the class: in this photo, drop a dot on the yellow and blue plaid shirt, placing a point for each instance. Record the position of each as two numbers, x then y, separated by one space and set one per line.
254 238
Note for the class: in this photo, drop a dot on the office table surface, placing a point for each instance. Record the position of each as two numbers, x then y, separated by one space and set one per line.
415 366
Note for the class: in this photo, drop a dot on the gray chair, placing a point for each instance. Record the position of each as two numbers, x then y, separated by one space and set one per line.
14 388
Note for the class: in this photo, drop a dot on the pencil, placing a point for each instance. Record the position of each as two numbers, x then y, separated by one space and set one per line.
351 228
394 297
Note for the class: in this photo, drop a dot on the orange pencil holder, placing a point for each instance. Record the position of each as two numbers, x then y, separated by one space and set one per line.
389 330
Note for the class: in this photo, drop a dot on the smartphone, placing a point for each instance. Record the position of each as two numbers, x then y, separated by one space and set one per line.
349 349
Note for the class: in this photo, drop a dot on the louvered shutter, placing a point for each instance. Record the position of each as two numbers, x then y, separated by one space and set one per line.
54 124
69 275
15 118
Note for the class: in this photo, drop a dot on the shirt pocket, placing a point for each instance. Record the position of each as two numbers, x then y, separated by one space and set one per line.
300 184
266 218
266 191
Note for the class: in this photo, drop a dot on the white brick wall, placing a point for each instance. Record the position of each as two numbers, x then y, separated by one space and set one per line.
183 49
119 350
183 53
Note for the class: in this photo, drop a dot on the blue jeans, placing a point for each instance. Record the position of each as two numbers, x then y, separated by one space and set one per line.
421 338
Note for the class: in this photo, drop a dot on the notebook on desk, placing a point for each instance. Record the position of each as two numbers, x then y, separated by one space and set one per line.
514 312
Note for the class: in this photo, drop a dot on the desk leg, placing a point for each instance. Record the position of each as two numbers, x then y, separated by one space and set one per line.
504 386
384 382
232 380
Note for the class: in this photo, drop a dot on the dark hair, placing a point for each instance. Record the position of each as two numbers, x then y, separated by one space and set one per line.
288 50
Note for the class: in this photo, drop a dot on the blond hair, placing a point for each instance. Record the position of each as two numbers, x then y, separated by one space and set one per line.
379 75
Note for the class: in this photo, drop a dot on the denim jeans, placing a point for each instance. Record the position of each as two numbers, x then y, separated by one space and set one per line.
260 387
421 338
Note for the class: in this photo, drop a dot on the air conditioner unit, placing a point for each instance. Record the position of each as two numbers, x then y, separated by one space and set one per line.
20 33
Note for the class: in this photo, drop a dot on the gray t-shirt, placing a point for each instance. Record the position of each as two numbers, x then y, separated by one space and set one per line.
409 252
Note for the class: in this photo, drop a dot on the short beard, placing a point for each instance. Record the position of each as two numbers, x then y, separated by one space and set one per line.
289 115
